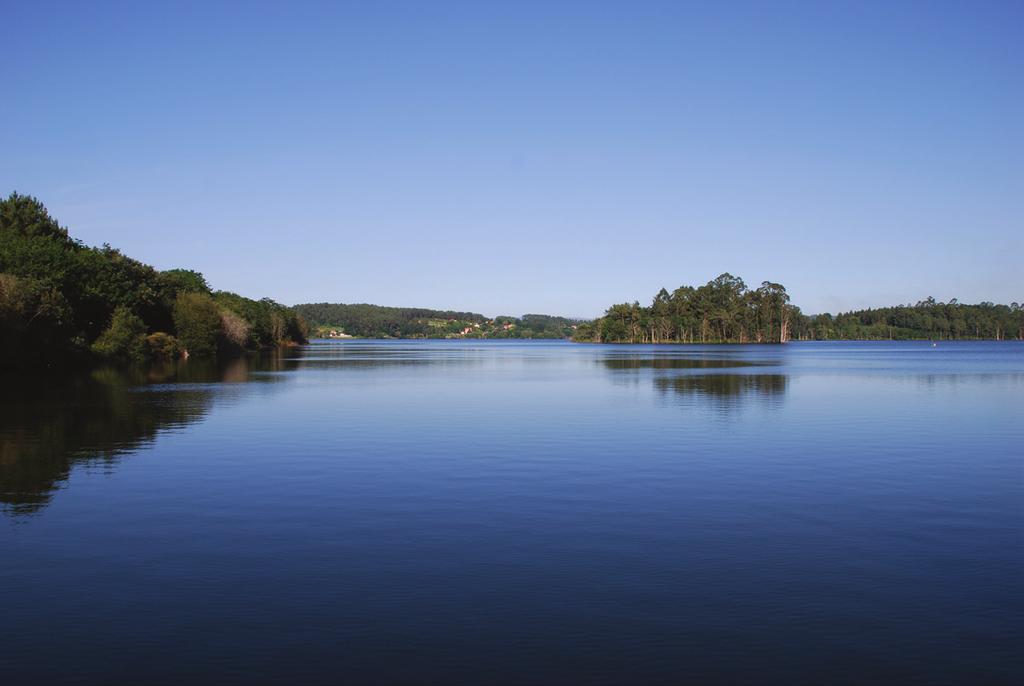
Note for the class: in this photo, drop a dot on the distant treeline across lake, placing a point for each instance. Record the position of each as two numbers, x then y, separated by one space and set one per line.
63 302
725 310
722 311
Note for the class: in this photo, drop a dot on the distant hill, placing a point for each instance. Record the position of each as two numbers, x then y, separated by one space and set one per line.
376 321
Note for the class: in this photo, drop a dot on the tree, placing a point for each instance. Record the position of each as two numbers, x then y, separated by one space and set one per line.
184 281
234 330
198 322
661 317
34 319
25 216
105 279
773 303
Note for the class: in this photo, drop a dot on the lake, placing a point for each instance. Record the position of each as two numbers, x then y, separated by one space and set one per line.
520 512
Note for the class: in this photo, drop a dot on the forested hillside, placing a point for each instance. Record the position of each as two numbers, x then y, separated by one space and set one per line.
724 310
376 321
370 321
63 301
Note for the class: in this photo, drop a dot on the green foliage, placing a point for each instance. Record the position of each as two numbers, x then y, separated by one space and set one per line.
125 338
270 323
58 297
545 326
585 332
197 320
34 318
25 216
184 281
106 279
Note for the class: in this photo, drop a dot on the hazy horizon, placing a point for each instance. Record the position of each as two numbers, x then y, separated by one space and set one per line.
532 159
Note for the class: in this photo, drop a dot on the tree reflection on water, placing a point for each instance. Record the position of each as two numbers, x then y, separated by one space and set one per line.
48 426
722 383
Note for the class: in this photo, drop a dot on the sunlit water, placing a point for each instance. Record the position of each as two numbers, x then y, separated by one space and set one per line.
456 512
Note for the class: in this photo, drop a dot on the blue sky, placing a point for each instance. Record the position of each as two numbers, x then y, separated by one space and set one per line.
531 157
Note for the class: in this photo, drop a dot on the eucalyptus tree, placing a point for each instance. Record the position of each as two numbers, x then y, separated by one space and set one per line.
774 302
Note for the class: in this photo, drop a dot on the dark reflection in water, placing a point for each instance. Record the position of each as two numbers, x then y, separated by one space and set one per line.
700 379
370 361
46 428
378 354
724 386
663 362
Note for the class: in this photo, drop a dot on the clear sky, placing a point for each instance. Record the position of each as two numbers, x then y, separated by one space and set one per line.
513 157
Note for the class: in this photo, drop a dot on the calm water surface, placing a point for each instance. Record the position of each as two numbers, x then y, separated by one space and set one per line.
456 512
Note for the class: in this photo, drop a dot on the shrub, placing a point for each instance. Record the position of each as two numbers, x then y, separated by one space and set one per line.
234 330
198 323
162 346
125 338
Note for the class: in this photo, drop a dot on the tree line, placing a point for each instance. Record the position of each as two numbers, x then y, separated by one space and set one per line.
928 318
63 301
724 310
376 321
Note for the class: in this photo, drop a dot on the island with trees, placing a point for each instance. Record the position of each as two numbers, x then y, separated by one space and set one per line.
62 302
721 311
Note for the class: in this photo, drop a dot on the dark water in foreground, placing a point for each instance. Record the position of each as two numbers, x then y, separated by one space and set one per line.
448 512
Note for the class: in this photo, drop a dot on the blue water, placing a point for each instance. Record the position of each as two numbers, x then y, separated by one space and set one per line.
463 512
